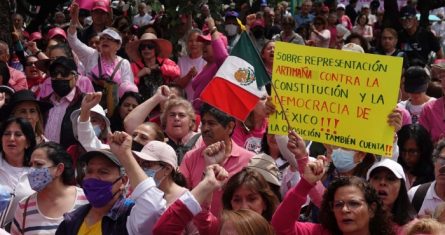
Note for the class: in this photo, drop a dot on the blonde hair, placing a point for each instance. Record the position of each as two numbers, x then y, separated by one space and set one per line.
440 209
173 102
426 226
247 222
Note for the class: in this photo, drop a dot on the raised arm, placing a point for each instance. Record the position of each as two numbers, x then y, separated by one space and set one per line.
149 201
138 115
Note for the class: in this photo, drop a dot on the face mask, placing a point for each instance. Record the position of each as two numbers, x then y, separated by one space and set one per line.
258 33
343 160
152 173
98 192
231 29
61 87
97 130
135 146
39 178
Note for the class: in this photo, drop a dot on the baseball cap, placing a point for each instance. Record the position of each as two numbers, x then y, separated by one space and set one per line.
86 157
56 32
266 166
416 80
391 165
65 62
258 23
353 48
408 11
232 14
35 36
113 34
341 6
102 5
364 6
157 151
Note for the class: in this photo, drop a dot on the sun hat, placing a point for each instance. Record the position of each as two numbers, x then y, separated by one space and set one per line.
26 96
266 166
164 46
96 109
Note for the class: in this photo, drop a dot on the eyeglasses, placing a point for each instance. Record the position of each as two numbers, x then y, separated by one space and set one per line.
413 152
64 72
351 204
149 46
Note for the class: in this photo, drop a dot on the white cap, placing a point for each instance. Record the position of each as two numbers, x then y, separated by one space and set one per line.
113 34
353 48
391 165
341 5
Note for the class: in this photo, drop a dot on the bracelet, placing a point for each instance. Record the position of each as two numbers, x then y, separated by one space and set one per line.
37 53
213 30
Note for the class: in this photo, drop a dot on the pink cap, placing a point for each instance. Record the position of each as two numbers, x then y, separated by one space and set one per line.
258 23
157 151
55 32
35 36
103 5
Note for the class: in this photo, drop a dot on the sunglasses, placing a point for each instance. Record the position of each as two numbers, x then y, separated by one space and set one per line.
64 72
149 46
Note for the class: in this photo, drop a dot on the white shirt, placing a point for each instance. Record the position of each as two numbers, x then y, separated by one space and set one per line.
430 202
185 63
142 20
16 179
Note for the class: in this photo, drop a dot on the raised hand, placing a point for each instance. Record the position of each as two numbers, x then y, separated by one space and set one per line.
90 100
120 143
296 145
395 119
215 176
314 170
215 153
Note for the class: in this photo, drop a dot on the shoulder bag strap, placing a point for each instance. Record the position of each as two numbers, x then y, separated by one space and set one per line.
193 140
116 69
24 214
419 196
100 66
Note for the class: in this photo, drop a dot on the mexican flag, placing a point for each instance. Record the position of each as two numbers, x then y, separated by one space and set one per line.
239 83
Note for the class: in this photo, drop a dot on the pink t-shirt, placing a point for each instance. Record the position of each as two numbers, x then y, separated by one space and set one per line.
107 69
185 63
249 140
193 166
433 119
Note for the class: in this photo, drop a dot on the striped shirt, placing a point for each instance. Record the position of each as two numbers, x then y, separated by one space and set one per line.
35 221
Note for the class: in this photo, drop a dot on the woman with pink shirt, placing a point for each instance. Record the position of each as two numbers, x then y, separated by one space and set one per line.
363 28
350 206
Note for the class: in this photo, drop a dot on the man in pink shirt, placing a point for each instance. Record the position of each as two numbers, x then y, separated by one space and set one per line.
65 99
433 117
216 128
17 79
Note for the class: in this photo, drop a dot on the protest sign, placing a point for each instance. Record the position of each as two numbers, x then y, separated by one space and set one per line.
335 97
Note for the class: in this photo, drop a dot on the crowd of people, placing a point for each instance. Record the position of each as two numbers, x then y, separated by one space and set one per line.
103 130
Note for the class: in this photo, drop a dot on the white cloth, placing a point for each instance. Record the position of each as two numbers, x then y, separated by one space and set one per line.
16 179
142 20
149 206
185 63
430 202
87 137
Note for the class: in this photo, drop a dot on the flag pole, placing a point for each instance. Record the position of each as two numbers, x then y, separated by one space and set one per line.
272 85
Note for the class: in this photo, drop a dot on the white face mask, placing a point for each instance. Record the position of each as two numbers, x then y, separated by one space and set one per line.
231 29
97 130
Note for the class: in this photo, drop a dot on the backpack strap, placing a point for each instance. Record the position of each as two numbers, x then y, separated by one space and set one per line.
419 196
116 69
99 64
